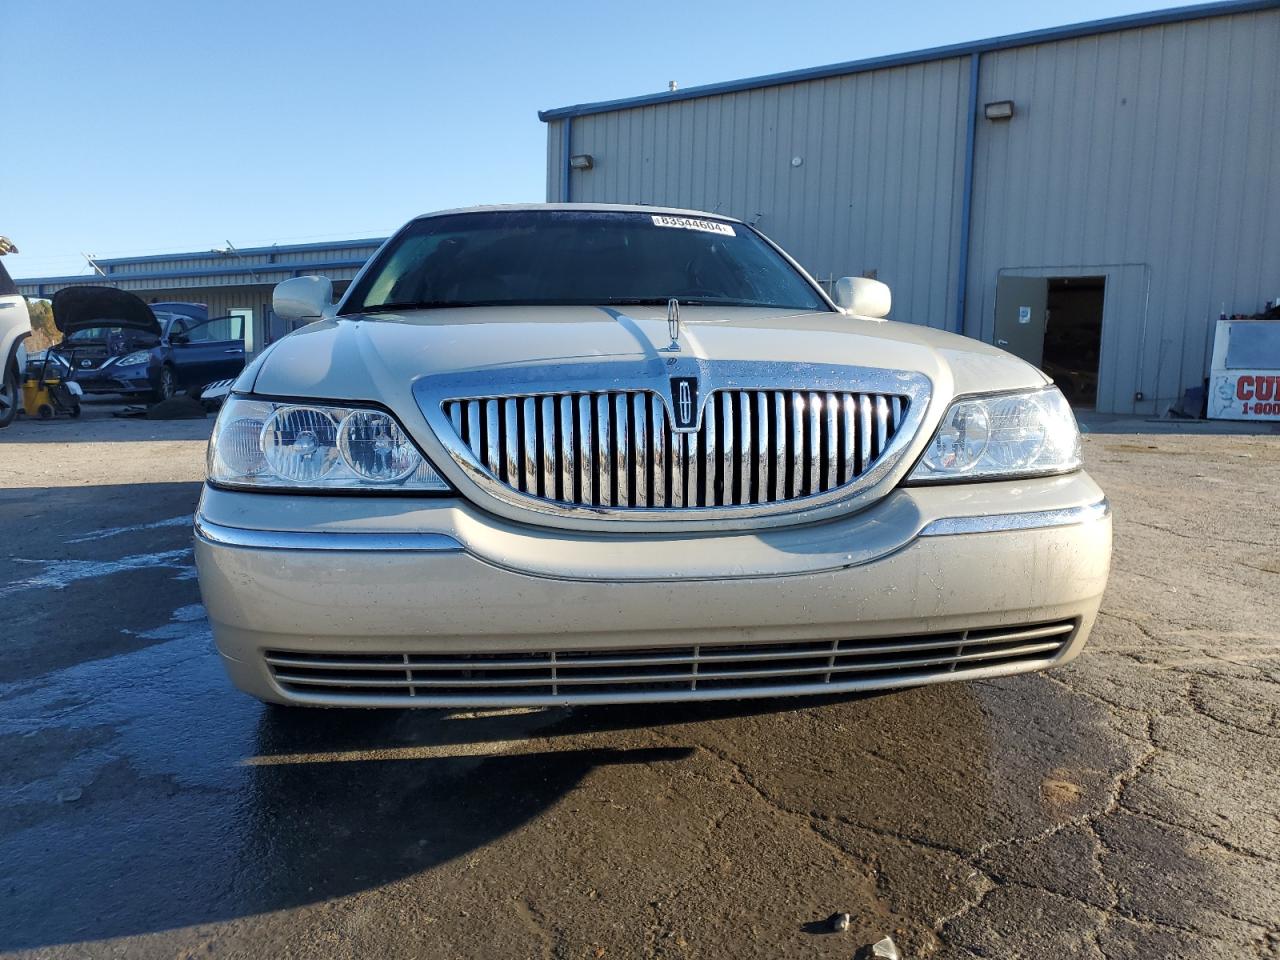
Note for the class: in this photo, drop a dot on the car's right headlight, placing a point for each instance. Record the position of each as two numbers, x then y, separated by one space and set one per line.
137 358
278 445
1002 436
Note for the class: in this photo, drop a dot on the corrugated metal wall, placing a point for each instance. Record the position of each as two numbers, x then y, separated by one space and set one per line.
273 259
877 187
222 300
269 276
555 160
1149 156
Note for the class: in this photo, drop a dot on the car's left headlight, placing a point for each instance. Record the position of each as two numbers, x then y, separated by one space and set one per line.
276 445
1002 436
134 359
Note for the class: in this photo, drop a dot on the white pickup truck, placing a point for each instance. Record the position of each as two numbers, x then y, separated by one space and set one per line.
15 326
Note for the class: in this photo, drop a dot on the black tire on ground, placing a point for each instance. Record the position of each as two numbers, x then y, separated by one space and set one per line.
8 396
44 411
75 411
168 384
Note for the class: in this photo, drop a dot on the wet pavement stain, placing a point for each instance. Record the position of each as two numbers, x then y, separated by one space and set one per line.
1119 807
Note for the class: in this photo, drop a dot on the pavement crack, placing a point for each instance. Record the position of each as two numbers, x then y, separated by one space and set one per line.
1198 705
1110 705
906 839
1135 769
1132 621
1199 536
987 887
1200 835
806 818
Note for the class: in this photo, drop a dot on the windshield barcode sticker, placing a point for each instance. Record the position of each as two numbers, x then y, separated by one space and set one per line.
689 223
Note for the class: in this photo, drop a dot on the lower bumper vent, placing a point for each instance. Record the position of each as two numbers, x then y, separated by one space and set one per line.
712 671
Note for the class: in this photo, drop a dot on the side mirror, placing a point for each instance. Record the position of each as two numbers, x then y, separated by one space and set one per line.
863 297
303 298
178 337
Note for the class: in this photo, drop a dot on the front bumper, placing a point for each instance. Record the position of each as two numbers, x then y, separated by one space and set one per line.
368 601
114 379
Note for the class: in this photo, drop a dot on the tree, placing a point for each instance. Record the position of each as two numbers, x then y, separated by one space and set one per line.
43 333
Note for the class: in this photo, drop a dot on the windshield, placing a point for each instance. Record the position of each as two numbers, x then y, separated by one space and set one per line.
546 257
96 333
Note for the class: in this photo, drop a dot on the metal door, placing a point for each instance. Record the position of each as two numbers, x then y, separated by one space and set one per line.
214 350
1021 316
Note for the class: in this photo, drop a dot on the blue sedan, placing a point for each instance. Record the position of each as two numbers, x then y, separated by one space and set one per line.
116 343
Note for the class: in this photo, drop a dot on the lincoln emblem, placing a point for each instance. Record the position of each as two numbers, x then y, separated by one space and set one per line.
673 323
684 401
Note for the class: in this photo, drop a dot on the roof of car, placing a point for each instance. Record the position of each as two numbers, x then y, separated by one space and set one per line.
581 208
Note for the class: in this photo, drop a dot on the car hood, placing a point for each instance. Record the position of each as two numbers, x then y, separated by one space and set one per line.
79 308
378 357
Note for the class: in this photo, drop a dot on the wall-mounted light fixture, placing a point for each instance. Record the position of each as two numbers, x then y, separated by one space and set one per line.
998 110
582 161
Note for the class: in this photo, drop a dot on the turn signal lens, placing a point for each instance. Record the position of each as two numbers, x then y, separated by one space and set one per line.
235 449
1006 435
261 444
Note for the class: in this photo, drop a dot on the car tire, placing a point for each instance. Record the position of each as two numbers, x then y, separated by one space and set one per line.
168 388
8 397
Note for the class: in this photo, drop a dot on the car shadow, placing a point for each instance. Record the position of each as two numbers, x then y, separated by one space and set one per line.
139 853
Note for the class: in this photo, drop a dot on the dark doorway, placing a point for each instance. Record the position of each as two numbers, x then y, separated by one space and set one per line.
1073 336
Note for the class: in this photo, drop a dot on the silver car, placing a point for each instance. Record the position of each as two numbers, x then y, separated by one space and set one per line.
598 454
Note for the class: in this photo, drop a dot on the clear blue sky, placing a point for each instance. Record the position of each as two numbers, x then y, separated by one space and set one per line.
151 126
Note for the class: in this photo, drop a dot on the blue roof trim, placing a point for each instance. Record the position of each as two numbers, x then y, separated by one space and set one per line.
229 271
1073 31
248 251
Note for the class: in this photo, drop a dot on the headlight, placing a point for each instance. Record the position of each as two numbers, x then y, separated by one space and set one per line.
134 359
1005 435
265 444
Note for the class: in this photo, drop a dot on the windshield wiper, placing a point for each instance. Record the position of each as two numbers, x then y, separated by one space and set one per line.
654 301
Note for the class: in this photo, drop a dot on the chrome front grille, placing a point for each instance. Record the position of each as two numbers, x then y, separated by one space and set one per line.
620 449
661 672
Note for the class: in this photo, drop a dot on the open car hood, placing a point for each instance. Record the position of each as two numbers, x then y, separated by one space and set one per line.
77 308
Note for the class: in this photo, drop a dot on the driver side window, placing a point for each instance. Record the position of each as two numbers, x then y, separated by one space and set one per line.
217 330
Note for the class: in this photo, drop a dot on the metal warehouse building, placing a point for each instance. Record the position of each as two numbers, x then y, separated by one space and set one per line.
1091 196
229 281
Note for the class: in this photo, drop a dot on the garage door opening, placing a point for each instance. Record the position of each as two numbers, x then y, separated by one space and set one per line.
1073 336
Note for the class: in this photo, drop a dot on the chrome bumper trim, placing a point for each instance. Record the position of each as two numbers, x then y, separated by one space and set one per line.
325 540
220 535
998 522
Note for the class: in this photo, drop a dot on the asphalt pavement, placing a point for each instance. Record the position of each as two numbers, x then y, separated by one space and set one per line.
1124 806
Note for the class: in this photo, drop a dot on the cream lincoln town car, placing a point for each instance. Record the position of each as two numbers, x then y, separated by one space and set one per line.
596 454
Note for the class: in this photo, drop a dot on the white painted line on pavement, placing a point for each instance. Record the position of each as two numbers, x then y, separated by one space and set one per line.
58 574
184 520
